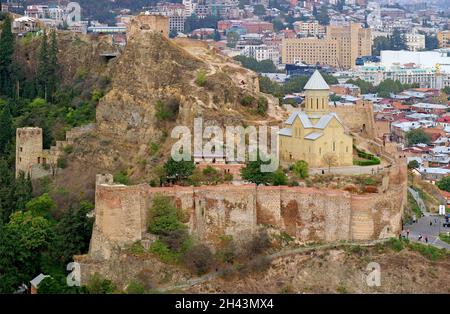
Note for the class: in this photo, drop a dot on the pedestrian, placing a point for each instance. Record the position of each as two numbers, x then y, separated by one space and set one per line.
407 234
431 223
420 237
426 239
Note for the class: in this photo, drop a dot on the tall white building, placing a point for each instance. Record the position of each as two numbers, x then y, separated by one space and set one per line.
260 52
415 41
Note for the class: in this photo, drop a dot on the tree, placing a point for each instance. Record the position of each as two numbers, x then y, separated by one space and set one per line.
216 36
6 54
41 206
53 66
398 40
165 217
266 85
300 169
179 169
330 160
431 42
43 68
232 39
6 129
386 87
23 191
380 43
444 184
417 136
24 239
252 172
322 16
72 233
413 164
259 9
364 86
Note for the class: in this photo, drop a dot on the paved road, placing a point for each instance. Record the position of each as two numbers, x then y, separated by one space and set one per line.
423 227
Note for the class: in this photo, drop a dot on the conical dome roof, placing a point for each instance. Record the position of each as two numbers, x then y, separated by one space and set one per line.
316 81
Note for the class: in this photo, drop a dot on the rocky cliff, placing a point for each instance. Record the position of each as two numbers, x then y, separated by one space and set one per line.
153 70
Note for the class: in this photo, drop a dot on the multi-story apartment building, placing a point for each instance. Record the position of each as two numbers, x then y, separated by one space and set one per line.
415 41
340 47
176 12
444 39
260 52
309 29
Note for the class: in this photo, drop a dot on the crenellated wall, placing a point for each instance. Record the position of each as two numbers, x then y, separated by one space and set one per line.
308 214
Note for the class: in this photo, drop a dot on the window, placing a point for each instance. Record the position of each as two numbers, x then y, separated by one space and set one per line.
21 149
334 146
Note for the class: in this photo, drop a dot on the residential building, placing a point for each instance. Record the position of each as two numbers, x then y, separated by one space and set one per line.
309 29
415 41
444 39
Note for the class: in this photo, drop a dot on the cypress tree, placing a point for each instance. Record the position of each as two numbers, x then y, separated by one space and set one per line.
23 191
43 68
53 65
6 129
6 181
6 54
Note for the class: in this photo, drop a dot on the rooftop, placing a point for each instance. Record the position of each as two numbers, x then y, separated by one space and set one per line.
316 81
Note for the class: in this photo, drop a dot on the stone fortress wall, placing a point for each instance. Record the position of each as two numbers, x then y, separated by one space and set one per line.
148 23
357 117
308 214
33 159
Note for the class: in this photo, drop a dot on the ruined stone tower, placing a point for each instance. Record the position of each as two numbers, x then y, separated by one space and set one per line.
148 23
28 149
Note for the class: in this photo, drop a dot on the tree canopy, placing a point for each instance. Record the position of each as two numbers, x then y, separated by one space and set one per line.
417 136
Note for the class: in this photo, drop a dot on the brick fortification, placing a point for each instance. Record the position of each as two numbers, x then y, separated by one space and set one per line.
308 214
33 159
148 23
358 117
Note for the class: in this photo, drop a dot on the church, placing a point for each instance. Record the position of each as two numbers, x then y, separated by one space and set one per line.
315 134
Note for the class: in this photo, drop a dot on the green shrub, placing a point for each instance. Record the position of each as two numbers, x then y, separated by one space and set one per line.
262 105
68 149
395 244
429 251
99 285
247 100
444 237
122 177
368 159
62 162
201 78
167 111
137 248
161 250
164 216
135 287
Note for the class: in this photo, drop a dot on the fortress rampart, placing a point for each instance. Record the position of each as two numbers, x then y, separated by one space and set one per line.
33 159
357 117
308 214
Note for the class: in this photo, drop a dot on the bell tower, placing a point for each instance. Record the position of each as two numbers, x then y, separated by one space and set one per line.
317 95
